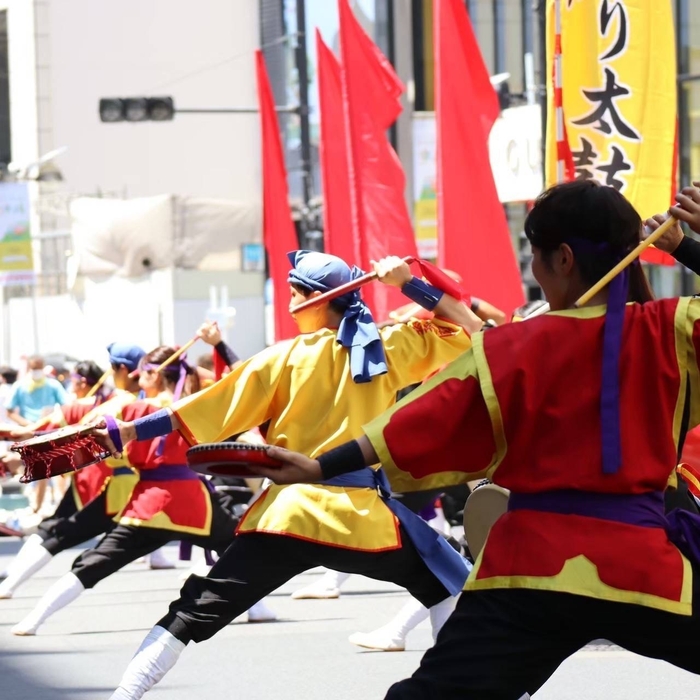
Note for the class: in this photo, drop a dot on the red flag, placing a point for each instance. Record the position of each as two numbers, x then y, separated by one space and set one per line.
338 234
371 92
279 235
473 235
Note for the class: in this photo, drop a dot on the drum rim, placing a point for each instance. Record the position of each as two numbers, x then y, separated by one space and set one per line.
226 446
55 436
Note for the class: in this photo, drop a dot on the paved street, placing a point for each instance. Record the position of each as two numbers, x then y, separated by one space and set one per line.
81 652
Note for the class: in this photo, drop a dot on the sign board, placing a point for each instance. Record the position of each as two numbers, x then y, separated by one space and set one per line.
252 257
515 149
16 260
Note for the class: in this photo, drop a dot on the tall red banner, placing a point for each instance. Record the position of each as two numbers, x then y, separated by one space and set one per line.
371 92
473 234
279 235
338 234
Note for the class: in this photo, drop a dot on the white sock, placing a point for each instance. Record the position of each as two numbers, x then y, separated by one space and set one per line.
392 636
62 593
333 579
157 654
408 618
261 611
439 614
30 559
158 560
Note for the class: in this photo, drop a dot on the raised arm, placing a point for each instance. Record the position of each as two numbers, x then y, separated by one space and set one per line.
394 271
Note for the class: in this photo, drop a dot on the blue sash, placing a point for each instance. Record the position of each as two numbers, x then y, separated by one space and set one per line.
450 567
123 471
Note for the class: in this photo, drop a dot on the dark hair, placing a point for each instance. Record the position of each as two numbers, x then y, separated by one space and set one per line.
585 210
307 291
171 373
89 371
8 374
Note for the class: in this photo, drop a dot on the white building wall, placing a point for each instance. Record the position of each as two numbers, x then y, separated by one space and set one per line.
64 56
200 53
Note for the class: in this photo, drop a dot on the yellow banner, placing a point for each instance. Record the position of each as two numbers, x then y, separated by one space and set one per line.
619 96
16 260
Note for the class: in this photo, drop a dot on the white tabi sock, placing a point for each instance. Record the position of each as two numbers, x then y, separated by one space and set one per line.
392 636
157 654
30 559
328 586
63 592
439 614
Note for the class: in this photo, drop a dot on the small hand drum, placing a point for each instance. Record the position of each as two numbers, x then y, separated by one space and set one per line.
485 505
229 459
59 452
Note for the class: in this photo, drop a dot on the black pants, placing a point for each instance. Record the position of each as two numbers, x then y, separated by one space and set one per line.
499 644
255 564
60 534
127 543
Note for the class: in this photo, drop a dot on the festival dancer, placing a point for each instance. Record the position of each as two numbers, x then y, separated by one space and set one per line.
169 502
104 489
316 391
585 550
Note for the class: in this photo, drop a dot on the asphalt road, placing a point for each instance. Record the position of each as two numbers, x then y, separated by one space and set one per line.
81 652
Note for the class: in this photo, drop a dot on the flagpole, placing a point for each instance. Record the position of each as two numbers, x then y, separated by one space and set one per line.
558 91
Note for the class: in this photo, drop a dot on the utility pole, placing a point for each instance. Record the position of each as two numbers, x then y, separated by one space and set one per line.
303 78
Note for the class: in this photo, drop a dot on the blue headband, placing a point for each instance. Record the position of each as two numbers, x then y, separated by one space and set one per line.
320 272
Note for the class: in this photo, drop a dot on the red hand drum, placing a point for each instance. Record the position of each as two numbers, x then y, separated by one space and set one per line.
238 459
59 452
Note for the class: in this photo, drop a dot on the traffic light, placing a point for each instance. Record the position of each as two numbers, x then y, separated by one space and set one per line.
136 109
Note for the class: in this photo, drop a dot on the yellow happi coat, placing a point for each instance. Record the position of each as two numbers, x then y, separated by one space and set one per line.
304 388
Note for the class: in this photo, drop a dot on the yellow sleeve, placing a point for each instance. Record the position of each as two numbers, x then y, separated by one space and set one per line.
440 435
238 402
418 348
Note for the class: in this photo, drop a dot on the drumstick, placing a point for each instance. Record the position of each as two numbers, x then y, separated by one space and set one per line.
99 383
170 359
177 353
625 262
339 291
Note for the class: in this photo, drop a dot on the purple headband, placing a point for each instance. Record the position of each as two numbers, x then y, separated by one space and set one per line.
618 291
183 369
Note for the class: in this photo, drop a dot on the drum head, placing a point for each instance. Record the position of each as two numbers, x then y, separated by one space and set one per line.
237 459
484 506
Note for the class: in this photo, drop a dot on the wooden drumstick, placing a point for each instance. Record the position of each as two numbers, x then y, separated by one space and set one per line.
171 359
625 262
339 291
99 383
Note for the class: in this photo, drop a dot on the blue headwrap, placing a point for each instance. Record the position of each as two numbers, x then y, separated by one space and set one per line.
321 272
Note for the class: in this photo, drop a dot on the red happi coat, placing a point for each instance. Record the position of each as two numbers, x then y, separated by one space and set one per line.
179 505
523 409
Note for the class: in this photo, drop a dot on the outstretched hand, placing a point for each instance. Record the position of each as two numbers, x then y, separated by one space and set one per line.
392 270
688 206
296 468
210 333
670 240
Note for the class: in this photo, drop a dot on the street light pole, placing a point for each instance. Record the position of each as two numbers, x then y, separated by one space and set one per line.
303 78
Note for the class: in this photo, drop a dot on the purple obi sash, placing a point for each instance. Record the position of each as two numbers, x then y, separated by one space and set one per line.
643 510
170 472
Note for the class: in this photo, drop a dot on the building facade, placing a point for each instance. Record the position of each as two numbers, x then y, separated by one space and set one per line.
511 37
